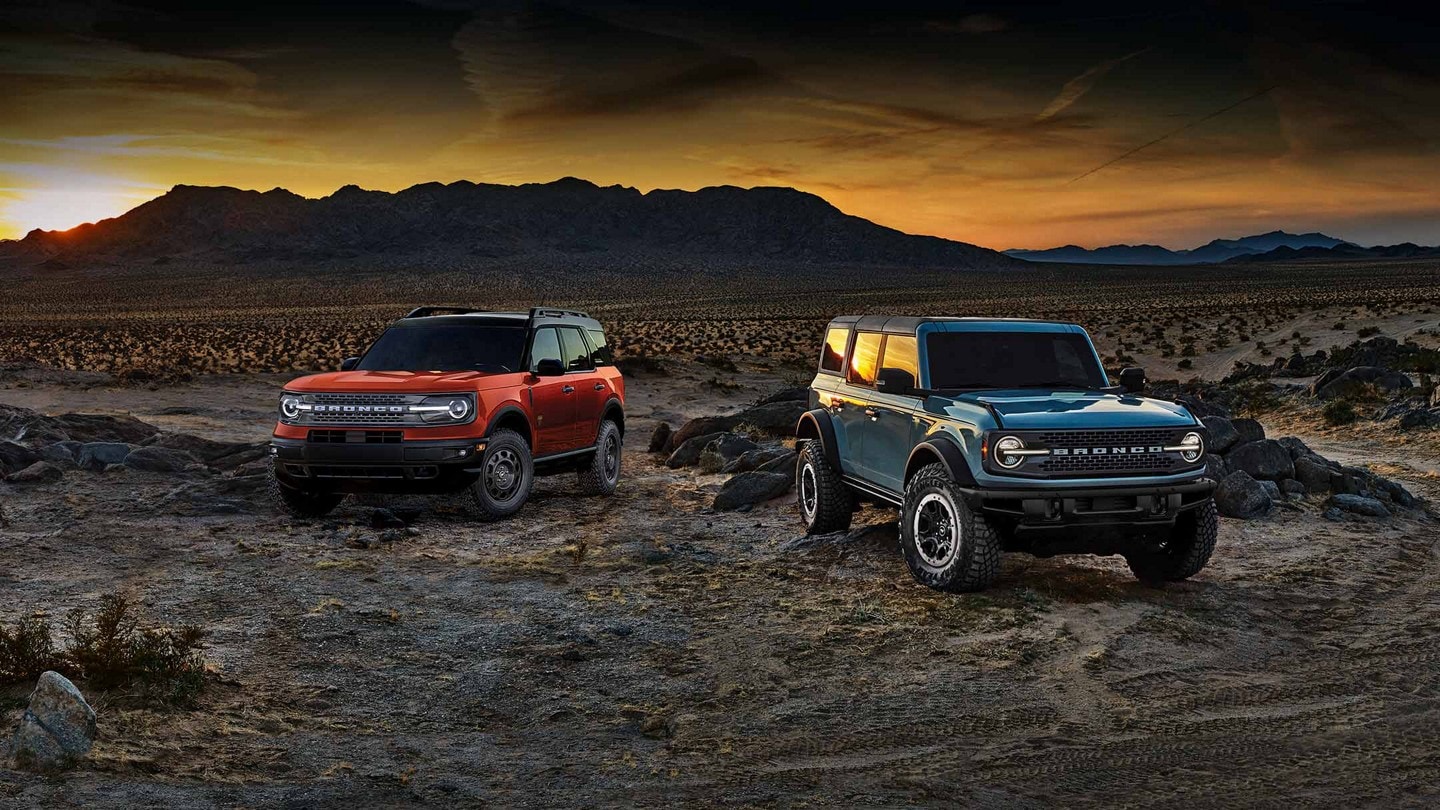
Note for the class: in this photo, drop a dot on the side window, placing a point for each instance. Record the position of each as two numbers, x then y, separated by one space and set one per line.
865 359
902 352
600 353
832 359
545 346
576 354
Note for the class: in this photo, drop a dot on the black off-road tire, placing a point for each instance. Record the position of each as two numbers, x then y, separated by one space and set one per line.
602 474
826 504
301 503
495 494
1184 552
934 510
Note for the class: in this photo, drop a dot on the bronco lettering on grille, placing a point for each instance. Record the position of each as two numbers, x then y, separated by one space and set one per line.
1101 451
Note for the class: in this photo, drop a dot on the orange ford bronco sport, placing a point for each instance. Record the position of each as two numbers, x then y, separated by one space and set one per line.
455 400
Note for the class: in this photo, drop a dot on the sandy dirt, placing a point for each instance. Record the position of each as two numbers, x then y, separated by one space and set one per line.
642 651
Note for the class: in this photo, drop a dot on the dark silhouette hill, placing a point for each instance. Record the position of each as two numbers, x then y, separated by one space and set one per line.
1213 252
465 223
1341 252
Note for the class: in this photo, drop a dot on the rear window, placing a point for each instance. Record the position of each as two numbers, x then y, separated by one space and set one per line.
600 353
1012 360
865 359
832 358
576 354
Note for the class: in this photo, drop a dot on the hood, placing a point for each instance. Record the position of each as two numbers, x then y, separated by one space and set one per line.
390 382
1070 409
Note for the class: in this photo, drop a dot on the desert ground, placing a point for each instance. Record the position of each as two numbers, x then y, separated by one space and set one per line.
647 650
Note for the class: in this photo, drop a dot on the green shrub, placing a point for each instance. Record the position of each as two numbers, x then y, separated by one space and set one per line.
27 651
1339 412
1368 331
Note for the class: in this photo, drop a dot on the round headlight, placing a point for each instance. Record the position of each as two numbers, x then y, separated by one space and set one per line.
290 406
459 408
1004 452
1194 447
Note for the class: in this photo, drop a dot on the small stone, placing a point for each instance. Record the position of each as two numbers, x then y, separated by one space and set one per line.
41 472
385 519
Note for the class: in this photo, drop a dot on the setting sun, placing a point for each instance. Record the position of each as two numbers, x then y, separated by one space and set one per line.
61 209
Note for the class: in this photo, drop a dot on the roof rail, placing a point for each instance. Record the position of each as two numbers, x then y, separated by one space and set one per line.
546 312
425 312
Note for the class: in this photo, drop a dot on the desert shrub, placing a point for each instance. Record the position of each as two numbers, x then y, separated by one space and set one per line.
1339 326
1255 397
1368 331
1187 363
26 651
1338 412
110 649
640 363
717 362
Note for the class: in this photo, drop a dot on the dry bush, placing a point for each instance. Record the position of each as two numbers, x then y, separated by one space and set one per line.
27 651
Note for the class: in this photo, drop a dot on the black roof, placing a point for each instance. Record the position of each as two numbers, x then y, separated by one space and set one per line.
431 315
910 324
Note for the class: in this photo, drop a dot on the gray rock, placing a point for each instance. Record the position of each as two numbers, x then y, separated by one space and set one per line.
90 428
784 463
1293 488
1313 474
1295 447
1272 489
704 426
41 472
660 437
1240 496
754 459
1215 467
160 460
1333 385
1360 505
61 454
778 418
798 394
1249 430
15 456
1221 432
94 456
1419 418
724 449
1334 513
58 727
748 489
687 453
1397 493
1266 459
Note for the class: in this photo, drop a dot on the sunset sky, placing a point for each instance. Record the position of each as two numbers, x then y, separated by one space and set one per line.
1006 125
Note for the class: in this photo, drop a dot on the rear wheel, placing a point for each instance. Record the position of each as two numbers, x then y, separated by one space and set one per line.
946 545
301 503
507 473
825 502
602 474
1182 553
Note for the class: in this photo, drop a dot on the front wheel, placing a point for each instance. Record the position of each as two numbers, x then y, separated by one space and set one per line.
826 503
302 503
602 474
507 473
947 546
1184 552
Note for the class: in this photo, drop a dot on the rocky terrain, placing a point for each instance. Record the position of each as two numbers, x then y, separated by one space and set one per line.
684 642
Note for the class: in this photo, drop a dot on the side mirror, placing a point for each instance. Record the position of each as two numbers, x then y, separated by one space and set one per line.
1132 380
549 367
349 363
895 381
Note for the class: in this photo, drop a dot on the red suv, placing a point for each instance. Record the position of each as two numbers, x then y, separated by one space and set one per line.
455 400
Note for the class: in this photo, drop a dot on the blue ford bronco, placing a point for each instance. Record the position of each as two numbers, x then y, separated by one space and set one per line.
996 435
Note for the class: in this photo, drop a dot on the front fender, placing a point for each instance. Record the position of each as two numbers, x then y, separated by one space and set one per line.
949 454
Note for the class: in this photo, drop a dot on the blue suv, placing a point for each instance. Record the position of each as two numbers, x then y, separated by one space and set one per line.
996 435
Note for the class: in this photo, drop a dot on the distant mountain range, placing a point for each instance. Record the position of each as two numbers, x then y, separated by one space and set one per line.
466 224
1219 250
1344 251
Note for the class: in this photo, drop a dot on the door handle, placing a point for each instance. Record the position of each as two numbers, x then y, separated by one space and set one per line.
872 413
599 386
835 405
569 389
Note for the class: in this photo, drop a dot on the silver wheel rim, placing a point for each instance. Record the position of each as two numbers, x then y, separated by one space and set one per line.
503 473
809 491
611 458
937 532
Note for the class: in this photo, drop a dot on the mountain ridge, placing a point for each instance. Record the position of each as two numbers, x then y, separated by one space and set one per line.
1213 252
455 223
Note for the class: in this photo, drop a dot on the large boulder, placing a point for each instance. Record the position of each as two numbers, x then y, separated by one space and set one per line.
1215 467
85 427
96 456
1360 505
15 456
784 463
748 489
797 394
1267 459
778 418
1222 433
756 459
61 454
1295 447
687 453
1314 473
160 460
58 727
1249 430
1240 496
660 438
703 426
1332 385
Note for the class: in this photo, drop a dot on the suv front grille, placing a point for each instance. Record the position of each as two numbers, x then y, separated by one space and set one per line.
1100 453
357 436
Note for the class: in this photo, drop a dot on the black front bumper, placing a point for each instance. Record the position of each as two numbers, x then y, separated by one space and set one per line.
1140 506
361 465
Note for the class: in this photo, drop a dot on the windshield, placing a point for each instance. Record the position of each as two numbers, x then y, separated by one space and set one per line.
1012 360
451 347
